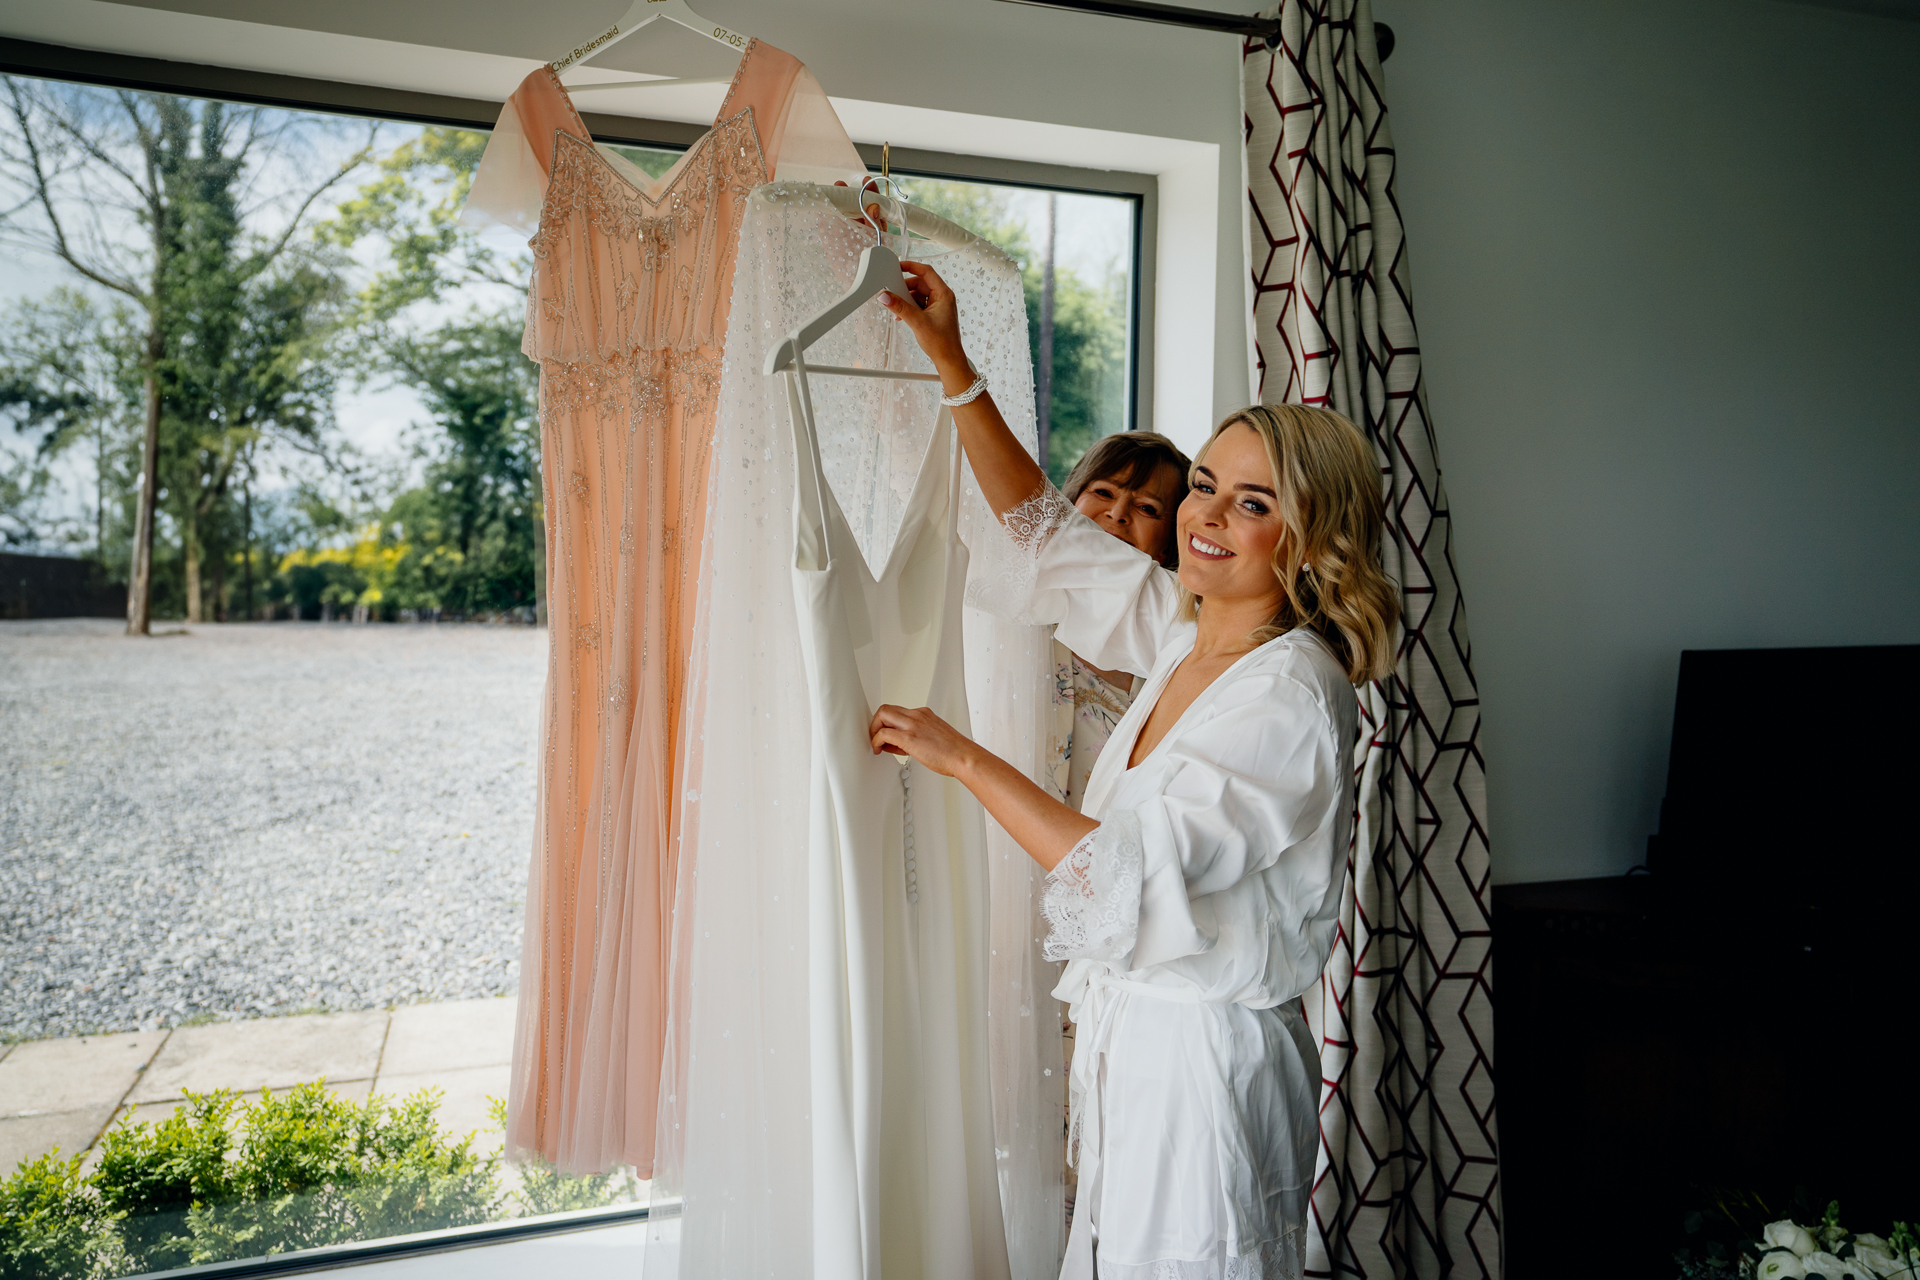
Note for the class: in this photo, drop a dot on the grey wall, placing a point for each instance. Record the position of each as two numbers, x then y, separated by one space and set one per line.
1666 260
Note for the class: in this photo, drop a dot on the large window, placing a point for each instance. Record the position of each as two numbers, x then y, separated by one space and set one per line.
264 874
262 879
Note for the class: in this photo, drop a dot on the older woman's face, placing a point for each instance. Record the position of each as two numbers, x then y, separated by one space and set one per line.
1230 522
1141 516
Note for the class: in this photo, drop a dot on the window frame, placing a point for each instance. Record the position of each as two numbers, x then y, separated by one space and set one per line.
398 1248
1141 189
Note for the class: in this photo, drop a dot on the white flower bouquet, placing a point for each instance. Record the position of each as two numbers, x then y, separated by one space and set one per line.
1786 1250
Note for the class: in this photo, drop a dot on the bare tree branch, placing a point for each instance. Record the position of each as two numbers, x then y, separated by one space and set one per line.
42 193
346 168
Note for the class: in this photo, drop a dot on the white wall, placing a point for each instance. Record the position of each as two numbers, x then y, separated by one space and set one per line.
1667 260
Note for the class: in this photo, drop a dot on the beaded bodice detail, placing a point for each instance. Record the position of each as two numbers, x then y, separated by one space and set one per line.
617 269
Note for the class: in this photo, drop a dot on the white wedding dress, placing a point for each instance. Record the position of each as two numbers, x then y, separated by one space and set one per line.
904 1184
876 1147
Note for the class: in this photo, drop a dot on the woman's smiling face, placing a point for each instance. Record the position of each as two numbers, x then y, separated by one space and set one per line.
1140 516
1230 523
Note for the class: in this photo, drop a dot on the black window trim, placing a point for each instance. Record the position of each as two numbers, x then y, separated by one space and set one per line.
332 1257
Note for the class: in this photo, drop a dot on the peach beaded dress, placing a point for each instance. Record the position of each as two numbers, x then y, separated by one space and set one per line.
626 315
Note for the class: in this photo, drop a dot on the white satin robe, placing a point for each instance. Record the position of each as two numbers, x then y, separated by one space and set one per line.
1194 917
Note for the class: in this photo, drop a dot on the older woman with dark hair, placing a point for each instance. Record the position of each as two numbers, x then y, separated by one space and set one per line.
1129 484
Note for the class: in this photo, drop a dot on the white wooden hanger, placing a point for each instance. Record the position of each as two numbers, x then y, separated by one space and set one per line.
639 15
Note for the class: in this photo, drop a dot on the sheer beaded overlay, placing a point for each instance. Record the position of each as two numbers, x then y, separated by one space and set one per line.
626 313
735 1100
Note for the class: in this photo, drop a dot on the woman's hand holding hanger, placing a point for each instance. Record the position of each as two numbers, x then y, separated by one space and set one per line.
1007 473
935 325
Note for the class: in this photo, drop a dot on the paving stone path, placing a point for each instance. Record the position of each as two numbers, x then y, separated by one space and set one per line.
259 819
65 1093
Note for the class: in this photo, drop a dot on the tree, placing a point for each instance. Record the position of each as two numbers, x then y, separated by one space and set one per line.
145 196
244 368
474 528
1088 392
26 487
68 373
474 532
413 208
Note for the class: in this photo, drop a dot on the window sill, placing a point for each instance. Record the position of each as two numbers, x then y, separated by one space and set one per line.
585 1245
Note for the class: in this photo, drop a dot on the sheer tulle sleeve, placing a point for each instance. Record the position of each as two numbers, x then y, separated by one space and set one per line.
511 183
801 137
813 145
1111 603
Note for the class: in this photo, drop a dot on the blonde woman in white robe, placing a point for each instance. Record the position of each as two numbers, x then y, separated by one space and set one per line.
1196 895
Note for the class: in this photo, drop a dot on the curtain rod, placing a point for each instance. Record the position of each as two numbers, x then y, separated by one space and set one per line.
1266 30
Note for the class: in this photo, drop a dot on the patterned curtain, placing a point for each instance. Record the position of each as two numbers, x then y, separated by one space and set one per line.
1407 1183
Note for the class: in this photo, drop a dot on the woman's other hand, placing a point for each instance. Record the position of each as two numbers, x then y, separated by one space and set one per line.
935 325
921 736
1036 819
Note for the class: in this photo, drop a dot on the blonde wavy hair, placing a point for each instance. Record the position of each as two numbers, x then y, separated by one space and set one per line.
1328 561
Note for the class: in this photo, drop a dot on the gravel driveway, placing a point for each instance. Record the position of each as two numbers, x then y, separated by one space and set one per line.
252 819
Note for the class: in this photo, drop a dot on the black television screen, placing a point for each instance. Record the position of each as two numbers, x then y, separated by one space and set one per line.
1791 784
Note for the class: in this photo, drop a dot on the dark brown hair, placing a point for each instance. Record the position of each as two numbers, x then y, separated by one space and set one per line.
1130 459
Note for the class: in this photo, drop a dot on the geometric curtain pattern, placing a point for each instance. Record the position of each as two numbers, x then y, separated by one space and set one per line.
1407 1179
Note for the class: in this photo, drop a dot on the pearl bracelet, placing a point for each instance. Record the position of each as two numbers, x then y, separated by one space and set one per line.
968 396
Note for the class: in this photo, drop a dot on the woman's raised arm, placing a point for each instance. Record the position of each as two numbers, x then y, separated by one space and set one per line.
1007 473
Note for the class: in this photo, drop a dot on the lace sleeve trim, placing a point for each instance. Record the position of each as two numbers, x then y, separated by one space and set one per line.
1006 570
1033 521
1092 899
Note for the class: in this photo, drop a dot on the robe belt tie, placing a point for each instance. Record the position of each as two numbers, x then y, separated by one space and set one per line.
1090 997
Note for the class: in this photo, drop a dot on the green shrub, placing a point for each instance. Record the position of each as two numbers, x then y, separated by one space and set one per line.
311 1168
219 1180
53 1224
151 1175
544 1189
